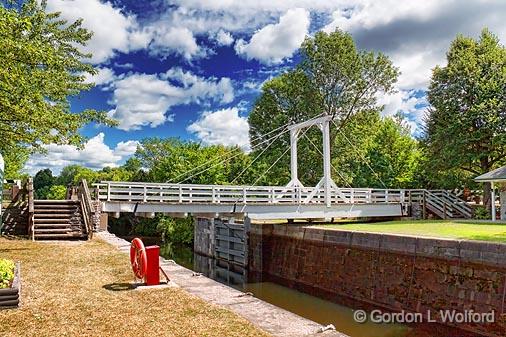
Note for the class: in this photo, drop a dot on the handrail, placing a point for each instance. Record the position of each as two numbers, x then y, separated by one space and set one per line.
83 194
446 204
31 209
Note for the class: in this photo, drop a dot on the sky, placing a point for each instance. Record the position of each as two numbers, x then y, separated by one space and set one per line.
193 68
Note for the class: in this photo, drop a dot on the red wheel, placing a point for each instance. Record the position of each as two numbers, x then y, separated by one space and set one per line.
138 258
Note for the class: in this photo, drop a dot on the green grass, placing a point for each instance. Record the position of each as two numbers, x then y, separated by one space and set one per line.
433 228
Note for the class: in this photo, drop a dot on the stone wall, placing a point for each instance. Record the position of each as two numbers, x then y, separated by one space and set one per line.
386 271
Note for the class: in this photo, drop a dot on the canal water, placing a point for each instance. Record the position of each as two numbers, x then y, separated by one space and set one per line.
311 307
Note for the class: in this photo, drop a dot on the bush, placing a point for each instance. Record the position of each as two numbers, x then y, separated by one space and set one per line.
179 231
481 213
6 273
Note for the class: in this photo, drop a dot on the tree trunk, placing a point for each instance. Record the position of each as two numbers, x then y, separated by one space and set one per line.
485 167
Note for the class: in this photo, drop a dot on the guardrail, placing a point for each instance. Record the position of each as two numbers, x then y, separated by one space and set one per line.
443 203
218 194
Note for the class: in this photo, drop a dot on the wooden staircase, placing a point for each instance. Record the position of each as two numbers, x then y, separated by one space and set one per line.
446 205
58 219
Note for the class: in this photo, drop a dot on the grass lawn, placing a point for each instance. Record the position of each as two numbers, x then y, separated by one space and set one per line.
81 289
434 228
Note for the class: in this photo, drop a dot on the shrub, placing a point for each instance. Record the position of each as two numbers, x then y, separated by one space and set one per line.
179 231
6 273
481 213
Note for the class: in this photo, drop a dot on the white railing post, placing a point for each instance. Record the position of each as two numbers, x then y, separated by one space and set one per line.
108 191
161 193
273 195
386 196
145 193
244 195
352 196
214 194
180 194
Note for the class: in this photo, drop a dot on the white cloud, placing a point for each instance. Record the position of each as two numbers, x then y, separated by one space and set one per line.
145 99
410 103
95 154
224 38
111 27
416 34
175 40
224 127
275 42
103 77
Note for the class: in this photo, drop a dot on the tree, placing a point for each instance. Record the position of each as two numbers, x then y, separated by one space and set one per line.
43 178
333 78
466 124
15 160
56 192
41 66
176 161
72 175
371 151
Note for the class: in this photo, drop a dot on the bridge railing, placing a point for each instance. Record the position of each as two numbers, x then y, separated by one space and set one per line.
192 193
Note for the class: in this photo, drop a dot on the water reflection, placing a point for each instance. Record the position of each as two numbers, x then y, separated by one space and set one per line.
311 307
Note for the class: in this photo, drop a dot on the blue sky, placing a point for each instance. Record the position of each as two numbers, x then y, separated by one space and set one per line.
193 68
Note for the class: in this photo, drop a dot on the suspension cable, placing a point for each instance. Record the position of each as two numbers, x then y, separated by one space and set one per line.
271 140
257 157
225 154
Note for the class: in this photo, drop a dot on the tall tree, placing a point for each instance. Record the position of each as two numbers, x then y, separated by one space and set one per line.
466 124
334 78
41 66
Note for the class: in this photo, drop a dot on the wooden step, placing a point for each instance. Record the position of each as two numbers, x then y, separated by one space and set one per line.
58 215
51 220
59 236
52 225
56 202
55 211
63 206
51 230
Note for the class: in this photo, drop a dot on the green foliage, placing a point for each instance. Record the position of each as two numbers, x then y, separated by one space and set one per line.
15 158
172 160
466 125
178 231
172 230
57 192
43 178
333 78
72 174
6 273
41 66
371 151
481 213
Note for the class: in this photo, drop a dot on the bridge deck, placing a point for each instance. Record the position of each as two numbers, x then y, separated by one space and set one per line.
257 202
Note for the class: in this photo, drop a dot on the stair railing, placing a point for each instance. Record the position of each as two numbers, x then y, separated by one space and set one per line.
31 209
86 202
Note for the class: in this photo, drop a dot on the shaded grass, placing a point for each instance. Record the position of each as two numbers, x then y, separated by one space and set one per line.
81 289
433 228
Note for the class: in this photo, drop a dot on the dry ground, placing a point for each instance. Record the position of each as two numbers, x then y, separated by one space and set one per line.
67 291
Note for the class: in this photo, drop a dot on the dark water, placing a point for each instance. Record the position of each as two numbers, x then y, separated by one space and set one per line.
311 307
